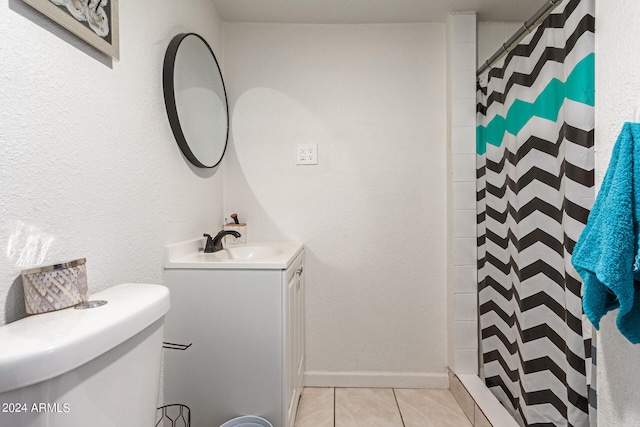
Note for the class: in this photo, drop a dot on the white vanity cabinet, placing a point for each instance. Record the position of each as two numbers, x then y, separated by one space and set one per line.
243 329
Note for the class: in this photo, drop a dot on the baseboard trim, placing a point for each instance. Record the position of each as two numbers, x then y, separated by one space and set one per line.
376 379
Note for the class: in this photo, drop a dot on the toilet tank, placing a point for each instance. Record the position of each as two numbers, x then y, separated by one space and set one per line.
97 367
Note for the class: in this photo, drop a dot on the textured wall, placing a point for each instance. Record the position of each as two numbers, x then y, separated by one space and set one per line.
617 95
372 213
491 37
88 163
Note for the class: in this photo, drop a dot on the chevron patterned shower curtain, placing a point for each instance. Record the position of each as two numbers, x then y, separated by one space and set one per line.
535 189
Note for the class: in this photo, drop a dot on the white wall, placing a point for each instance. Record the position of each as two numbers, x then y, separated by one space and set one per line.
491 37
463 316
617 95
372 213
88 164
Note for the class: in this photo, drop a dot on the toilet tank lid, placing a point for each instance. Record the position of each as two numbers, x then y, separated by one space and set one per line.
43 346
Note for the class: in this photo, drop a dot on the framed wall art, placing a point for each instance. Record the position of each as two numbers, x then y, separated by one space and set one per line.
94 21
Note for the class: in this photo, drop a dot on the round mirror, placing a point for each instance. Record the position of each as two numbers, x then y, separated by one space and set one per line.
196 100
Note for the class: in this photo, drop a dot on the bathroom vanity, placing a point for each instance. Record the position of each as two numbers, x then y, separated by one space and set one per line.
236 331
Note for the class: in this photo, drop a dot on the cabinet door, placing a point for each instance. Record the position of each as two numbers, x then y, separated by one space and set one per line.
299 340
294 333
290 365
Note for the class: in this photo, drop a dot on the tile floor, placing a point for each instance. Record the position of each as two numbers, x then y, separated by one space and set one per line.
379 407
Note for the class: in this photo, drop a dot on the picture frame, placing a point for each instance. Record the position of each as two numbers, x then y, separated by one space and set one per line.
94 21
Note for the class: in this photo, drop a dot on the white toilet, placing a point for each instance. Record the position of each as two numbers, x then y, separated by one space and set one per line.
97 367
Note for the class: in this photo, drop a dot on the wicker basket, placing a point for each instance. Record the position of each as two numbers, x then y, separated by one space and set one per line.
55 287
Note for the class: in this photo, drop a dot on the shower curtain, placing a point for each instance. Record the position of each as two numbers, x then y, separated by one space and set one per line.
535 188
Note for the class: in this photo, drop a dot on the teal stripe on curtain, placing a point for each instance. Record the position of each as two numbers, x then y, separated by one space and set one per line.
579 87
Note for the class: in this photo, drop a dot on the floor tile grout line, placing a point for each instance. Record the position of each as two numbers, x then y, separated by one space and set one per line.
334 407
398 406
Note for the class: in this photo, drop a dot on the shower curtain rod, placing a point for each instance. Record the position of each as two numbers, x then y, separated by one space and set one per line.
526 28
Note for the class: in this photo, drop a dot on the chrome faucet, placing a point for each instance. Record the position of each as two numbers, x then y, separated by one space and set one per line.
214 244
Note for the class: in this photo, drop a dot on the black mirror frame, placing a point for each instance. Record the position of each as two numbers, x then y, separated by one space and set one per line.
170 99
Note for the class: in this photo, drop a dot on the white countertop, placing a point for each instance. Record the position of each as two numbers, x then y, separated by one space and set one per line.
189 254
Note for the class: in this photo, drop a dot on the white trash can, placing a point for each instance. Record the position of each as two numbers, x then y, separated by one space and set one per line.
247 421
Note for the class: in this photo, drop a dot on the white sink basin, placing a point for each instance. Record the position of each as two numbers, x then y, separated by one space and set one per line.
263 255
242 253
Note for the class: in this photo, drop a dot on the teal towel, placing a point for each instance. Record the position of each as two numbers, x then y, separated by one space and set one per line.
607 253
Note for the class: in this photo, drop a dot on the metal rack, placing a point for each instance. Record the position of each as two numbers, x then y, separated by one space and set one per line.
174 346
175 415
